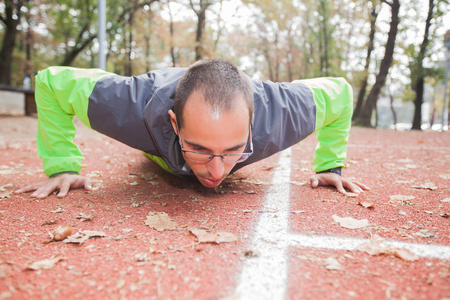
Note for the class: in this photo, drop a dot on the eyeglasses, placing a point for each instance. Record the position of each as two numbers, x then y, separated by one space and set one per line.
203 157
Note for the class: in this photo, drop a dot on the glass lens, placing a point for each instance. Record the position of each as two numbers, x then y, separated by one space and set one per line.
232 159
199 157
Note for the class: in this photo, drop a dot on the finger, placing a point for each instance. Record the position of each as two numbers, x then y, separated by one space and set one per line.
340 187
64 189
362 185
88 184
45 190
314 181
28 188
353 187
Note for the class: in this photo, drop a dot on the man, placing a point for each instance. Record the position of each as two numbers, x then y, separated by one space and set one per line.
205 121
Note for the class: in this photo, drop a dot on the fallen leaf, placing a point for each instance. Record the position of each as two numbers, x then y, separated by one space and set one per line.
376 247
134 183
83 236
83 217
160 221
51 222
446 200
58 210
250 192
426 186
351 195
3 187
4 195
428 212
366 204
251 253
404 254
298 211
44 264
332 264
401 197
59 233
445 215
425 234
300 183
349 222
204 236
444 176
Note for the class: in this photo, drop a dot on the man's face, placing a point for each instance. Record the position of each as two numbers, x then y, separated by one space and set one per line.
205 132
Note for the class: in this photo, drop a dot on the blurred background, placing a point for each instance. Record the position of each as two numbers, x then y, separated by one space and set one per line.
395 53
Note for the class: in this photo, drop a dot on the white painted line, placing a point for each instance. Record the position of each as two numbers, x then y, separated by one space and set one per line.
343 243
265 276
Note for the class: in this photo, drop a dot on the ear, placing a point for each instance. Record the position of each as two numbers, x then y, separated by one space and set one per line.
173 120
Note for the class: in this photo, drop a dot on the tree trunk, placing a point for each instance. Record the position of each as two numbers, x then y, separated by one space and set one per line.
199 35
417 121
362 92
172 34
394 115
11 19
385 65
325 63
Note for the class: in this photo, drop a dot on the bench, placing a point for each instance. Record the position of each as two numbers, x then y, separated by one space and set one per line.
30 103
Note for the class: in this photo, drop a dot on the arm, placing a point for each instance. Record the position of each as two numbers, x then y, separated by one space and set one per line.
334 107
61 93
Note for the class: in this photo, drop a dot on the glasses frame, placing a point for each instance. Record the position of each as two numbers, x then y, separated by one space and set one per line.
211 156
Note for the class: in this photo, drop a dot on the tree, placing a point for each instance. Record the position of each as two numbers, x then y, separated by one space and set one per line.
385 65
200 11
418 71
11 18
374 11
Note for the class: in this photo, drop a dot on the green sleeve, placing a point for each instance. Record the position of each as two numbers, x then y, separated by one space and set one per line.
61 93
334 108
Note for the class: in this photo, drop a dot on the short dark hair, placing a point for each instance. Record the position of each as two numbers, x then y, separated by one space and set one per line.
219 81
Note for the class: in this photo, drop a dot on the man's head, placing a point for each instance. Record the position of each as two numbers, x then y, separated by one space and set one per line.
212 114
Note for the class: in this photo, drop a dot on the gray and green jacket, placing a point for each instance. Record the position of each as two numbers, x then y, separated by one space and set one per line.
134 111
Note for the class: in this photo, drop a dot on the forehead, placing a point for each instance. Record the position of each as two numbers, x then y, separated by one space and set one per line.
203 125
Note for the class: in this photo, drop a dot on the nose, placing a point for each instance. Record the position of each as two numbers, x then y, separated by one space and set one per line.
215 168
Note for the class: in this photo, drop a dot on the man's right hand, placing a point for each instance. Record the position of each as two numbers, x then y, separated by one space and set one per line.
63 183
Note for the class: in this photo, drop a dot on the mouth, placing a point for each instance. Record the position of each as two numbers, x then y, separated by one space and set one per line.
211 183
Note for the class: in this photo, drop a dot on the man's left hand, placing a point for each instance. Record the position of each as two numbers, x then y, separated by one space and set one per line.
341 183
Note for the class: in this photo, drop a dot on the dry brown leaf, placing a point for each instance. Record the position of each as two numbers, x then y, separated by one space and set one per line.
300 183
44 264
426 186
84 217
205 236
351 195
160 221
332 264
376 247
445 215
366 204
425 234
83 236
3 187
404 254
350 223
4 195
401 197
59 233
50 222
